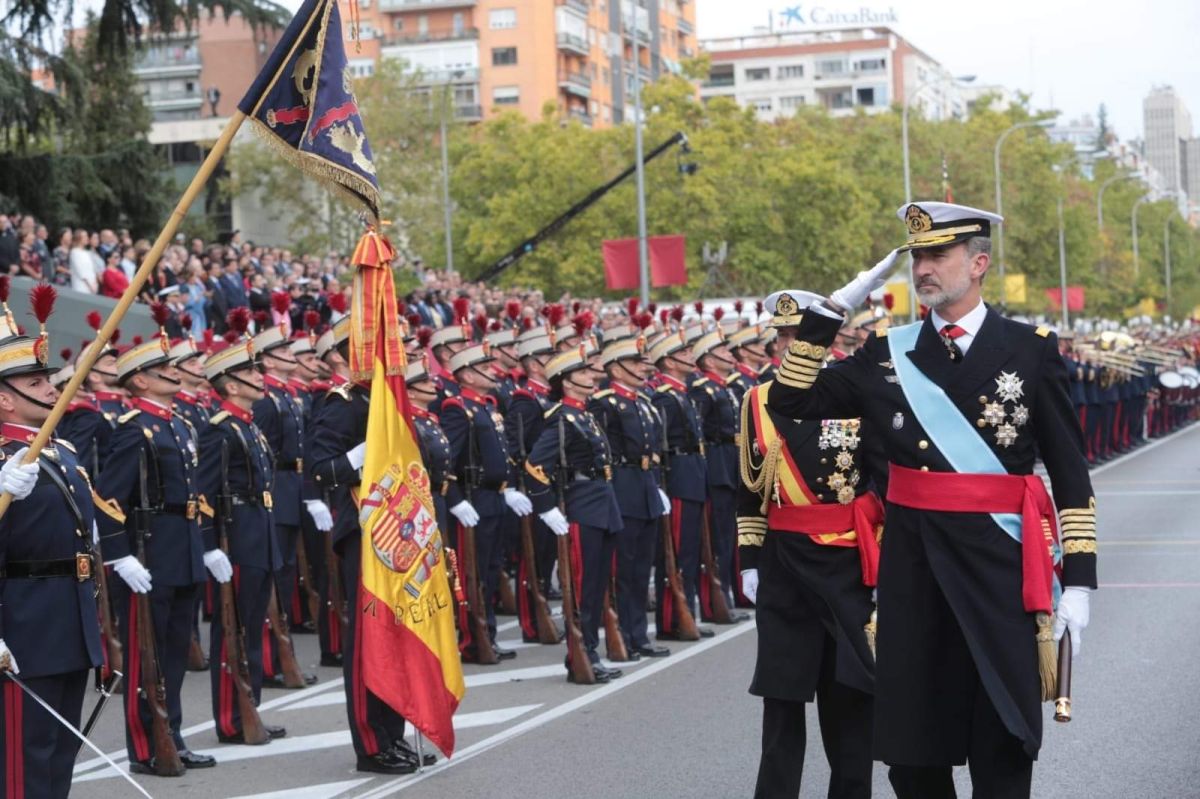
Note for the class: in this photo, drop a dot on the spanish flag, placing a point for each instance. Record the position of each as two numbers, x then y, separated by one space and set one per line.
406 612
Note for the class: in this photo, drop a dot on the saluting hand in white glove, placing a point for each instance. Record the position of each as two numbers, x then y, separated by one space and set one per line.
750 584
855 293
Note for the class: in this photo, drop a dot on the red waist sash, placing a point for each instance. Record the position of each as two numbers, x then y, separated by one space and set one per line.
862 516
991 493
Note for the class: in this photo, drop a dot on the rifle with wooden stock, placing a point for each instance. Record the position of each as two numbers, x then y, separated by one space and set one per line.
307 580
547 630
614 641
278 619
153 685
236 663
577 660
685 623
477 626
336 598
710 586
114 652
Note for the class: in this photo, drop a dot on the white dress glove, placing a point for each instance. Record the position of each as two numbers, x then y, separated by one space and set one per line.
320 514
16 478
855 293
518 502
135 575
666 502
357 456
218 565
750 584
7 661
1074 612
555 520
466 514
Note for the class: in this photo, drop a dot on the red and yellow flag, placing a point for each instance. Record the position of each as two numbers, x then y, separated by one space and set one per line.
406 613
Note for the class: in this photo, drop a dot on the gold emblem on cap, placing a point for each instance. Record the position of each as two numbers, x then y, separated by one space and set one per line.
487 348
165 344
918 219
786 305
641 345
41 350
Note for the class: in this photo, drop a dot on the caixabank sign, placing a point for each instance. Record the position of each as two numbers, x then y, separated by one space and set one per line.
829 16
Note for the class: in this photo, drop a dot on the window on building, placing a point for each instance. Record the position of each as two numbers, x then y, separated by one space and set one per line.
504 56
464 95
423 24
762 106
791 71
831 67
458 24
865 96
506 95
500 19
791 102
759 73
872 65
398 24
361 67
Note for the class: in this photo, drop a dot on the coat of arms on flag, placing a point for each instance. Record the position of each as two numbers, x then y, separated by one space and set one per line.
405 536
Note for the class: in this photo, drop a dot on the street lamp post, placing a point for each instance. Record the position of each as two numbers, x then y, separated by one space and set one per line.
1167 259
1137 267
447 211
643 256
1033 123
1062 266
1100 197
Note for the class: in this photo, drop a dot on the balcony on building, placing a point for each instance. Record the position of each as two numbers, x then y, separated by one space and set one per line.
573 44
685 27
417 37
468 112
720 76
581 114
163 59
836 98
580 6
423 5
575 82
441 77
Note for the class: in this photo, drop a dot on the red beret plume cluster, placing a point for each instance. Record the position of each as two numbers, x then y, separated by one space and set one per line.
311 320
544 311
159 313
652 308
738 305
262 320
208 338
581 324
280 301
495 326
5 285
41 300
575 306
424 336
401 308
231 335
413 319
664 315
185 320
758 308
94 319
481 321
644 320
555 314
527 323
462 307
698 305
337 301
65 353
677 313
631 306
889 300
239 322
512 309
137 340
718 313
115 337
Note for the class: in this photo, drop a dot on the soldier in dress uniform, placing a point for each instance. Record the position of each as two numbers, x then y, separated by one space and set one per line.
685 471
280 417
717 407
338 452
634 433
236 462
807 548
749 357
49 633
503 342
89 421
446 342
484 465
148 495
962 399
189 400
571 457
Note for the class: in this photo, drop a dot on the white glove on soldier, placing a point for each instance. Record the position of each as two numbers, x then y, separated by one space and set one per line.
666 502
855 293
7 661
555 520
218 565
1074 612
518 502
320 514
750 584
357 456
16 478
466 514
135 575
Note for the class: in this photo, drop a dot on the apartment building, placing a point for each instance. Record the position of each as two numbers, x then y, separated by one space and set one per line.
494 55
838 70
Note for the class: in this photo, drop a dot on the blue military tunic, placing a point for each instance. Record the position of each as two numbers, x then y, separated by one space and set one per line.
635 437
280 417
585 477
189 407
684 454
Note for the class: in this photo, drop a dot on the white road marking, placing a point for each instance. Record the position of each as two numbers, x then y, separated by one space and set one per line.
327 791
1158 442
593 695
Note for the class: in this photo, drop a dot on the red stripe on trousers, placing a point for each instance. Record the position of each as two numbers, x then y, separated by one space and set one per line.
267 656
141 742
225 689
524 605
14 754
358 689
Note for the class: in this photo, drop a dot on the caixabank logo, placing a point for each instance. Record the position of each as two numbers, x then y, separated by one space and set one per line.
823 16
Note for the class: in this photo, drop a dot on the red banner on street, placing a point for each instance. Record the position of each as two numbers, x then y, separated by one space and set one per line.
1075 298
668 263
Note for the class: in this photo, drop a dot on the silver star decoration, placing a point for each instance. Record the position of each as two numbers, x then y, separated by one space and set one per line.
993 413
1020 415
1006 435
845 495
837 481
844 460
1010 387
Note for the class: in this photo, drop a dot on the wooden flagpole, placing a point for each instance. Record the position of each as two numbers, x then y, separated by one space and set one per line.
92 353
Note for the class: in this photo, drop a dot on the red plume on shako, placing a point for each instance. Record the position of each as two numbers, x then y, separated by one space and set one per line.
311 320
238 320
337 302
423 337
41 300
462 309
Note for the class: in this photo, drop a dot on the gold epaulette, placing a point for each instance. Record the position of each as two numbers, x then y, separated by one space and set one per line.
881 333
342 391
219 417
550 411
1042 331
110 507
602 393
537 473
62 442
699 381
128 416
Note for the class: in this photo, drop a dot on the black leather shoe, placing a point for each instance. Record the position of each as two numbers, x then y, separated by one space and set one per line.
275 732
148 767
738 616
192 760
386 763
239 738
402 748
649 651
504 654
609 674
631 656
600 674
705 632
331 660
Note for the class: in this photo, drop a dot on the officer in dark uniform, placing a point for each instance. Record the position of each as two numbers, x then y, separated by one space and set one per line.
634 432
235 457
49 633
479 445
571 457
280 417
685 470
717 407
338 452
963 401
89 421
807 526
147 493
504 347
445 343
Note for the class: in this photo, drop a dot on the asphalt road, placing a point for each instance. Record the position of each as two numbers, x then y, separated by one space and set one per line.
684 726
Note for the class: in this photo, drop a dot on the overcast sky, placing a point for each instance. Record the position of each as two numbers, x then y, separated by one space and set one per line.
1071 54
